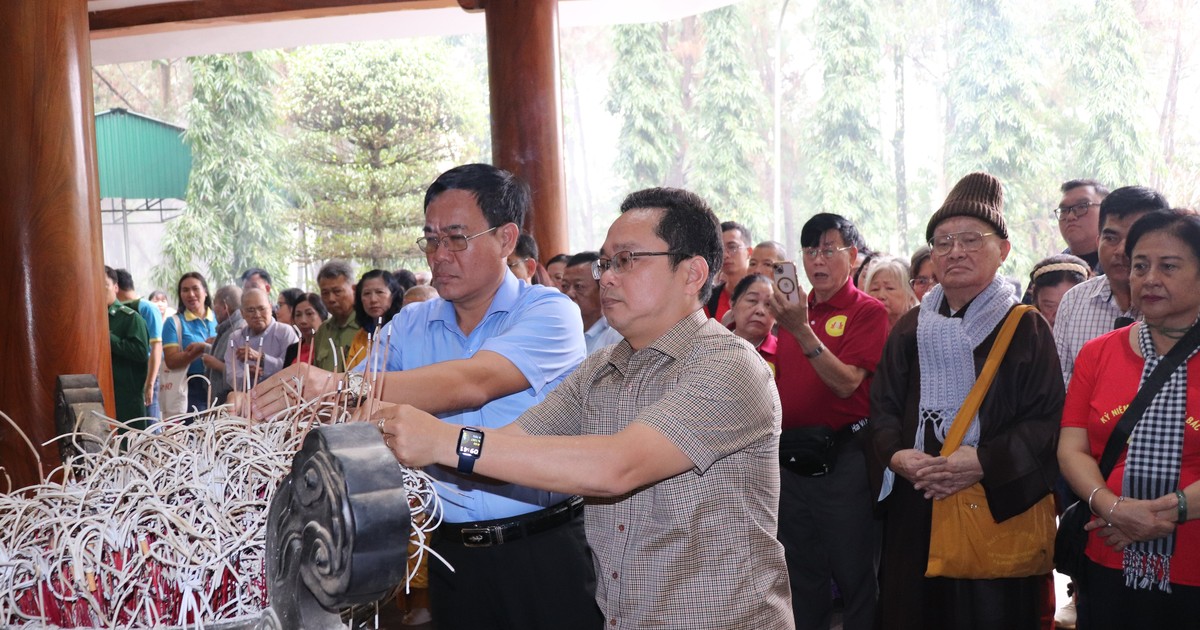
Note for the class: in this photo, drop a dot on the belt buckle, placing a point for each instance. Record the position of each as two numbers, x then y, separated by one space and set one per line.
481 536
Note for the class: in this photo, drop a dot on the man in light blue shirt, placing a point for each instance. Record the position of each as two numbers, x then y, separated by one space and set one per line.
584 291
488 348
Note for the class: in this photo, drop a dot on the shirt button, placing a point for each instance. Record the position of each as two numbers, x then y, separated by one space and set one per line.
614 575
612 622
620 528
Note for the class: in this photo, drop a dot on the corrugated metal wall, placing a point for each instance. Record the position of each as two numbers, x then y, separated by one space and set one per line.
140 157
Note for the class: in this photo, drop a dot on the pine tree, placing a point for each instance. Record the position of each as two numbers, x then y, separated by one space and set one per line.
848 174
644 92
995 122
1108 95
729 123
374 124
233 215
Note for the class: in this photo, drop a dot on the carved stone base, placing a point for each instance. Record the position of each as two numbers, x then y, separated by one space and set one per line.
338 529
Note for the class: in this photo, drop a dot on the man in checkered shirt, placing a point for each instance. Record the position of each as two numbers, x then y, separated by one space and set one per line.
1099 304
675 431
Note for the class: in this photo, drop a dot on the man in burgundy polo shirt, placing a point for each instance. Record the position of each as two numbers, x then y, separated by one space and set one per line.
828 347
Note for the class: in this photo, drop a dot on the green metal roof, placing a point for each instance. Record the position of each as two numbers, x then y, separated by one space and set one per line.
140 157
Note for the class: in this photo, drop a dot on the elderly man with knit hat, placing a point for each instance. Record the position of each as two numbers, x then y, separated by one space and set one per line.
930 362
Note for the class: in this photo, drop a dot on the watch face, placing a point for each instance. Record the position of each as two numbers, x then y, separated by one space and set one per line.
470 442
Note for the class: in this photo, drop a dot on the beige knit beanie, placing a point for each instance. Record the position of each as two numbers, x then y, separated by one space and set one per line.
977 195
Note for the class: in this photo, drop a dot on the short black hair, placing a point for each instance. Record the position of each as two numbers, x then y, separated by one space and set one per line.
1128 200
406 278
124 280
526 246
819 224
688 226
257 271
1181 223
1100 189
561 258
112 275
360 313
744 285
919 257
741 229
503 197
582 258
291 296
317 304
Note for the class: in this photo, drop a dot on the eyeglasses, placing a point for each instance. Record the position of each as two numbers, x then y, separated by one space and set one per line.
827 253
1078 210
623 261
452 242
513 264
734 248
921 281
970 241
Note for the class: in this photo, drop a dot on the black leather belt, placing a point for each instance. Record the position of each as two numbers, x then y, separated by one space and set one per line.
502 530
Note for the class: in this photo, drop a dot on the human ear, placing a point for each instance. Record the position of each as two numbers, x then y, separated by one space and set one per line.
509 233
697 273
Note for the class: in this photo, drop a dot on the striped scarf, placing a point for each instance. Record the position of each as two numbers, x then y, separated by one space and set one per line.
1152 467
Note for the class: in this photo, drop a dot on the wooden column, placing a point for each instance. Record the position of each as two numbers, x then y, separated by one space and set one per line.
54 319
527 135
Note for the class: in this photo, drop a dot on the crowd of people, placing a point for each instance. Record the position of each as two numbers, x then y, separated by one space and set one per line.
672 432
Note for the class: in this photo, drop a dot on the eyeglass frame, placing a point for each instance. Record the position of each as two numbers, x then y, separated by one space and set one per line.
954 238
425 241
923 280
602 264
1077 210
811 253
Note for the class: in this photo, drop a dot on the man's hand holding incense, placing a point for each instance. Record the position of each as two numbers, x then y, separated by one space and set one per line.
295 383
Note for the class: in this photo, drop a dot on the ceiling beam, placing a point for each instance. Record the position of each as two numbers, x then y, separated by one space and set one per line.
154 16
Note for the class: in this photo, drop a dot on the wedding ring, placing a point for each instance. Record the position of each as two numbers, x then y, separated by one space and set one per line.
380 425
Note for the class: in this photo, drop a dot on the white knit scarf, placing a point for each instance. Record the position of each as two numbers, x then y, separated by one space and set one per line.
946 347
1152 467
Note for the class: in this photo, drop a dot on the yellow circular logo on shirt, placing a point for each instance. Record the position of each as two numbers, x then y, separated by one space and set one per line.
836 326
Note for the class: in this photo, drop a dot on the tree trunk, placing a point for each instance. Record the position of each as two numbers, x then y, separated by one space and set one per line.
1166 125
688 50
898 148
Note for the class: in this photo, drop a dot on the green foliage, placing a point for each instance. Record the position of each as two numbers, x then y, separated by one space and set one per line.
643 90
374 124
729 124
848 174
996 122
1107 95
233 215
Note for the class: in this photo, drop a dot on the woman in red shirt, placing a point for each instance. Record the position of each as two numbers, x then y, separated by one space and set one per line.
1143 552
752 320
